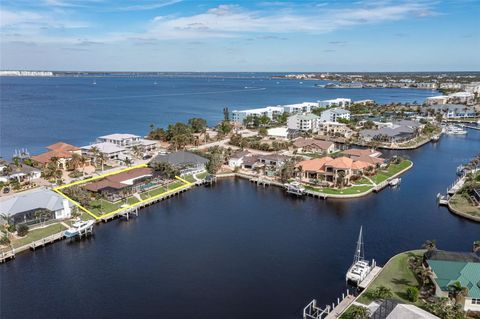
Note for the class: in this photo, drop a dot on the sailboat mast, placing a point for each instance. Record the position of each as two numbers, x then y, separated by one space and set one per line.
359 253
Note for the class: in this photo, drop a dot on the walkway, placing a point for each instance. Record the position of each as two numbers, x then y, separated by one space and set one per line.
342 306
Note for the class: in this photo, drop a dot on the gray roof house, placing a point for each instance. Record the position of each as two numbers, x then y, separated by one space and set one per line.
392 309
187 162
22 207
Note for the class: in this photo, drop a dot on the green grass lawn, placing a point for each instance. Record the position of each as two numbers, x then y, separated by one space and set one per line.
383 175
189 178
343 191
464 205
362 180
397 276
202 175
37 234
105 206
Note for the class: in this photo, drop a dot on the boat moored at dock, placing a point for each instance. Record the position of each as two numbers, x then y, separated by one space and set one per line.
295 188
455 130
395 182
79 228
360 267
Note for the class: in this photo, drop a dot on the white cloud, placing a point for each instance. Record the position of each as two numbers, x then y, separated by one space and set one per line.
233 20
150 6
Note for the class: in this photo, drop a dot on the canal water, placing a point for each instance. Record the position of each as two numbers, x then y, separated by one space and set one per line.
236 250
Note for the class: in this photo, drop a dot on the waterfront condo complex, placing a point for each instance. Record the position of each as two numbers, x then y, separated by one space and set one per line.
240 159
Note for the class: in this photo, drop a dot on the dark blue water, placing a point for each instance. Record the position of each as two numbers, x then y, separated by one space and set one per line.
237 251
36 112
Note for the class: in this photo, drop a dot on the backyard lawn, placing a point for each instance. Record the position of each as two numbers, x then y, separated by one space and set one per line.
464 205
343 191
37 234
189 178
383 175
202 175
396 276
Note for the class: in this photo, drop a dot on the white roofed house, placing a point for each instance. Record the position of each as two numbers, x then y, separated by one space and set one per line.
21 173
236 160
335 129
334 114
128 142
110 150
450 111
283 133
23 208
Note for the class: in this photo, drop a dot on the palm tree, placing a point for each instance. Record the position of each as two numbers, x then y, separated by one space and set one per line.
458 292
128 161
8 221
42 214
424 274
83 161
136 151
95 152
75 161
103 158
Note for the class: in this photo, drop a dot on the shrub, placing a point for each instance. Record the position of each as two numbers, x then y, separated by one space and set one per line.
356 312
22 230
4 240
382 292
412 294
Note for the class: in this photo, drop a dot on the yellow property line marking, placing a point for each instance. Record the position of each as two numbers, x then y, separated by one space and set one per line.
126 206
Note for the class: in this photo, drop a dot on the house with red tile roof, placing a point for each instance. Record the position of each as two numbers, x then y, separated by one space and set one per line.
61 151
332 170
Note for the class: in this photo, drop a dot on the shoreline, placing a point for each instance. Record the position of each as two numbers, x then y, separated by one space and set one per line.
375 188
462 214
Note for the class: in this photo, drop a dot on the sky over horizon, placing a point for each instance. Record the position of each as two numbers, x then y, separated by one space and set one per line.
176 35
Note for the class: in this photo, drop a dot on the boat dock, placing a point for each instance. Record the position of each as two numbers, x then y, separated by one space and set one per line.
47 240
6 256
370 277
456 186
313 311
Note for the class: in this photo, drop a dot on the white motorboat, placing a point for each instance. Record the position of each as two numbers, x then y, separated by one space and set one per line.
395 182
360 267
79 228
295 188
455 130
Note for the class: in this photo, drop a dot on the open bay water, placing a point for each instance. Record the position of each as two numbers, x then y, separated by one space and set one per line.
235 250
39 111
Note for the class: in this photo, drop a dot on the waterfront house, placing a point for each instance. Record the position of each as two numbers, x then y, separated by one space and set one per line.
128 141
451 111
309 145
22 173
236 160
61 151
397 131
451 267
334 171
109 150
25 207
186 162
340 102
124 184
334 114
306 122
457 97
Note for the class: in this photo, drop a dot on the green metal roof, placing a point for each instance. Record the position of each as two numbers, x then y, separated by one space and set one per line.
448 272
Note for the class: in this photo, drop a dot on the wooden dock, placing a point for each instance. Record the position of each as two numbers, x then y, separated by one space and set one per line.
6 256
370 277
341 307
47 240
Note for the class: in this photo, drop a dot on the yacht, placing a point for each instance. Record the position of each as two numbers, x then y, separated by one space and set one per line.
78 228
295 188
360 267
395 182
455 130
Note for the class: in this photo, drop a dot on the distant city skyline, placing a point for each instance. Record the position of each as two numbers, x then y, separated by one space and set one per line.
268 36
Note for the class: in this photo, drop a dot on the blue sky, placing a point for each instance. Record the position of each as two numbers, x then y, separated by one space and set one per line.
174 35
